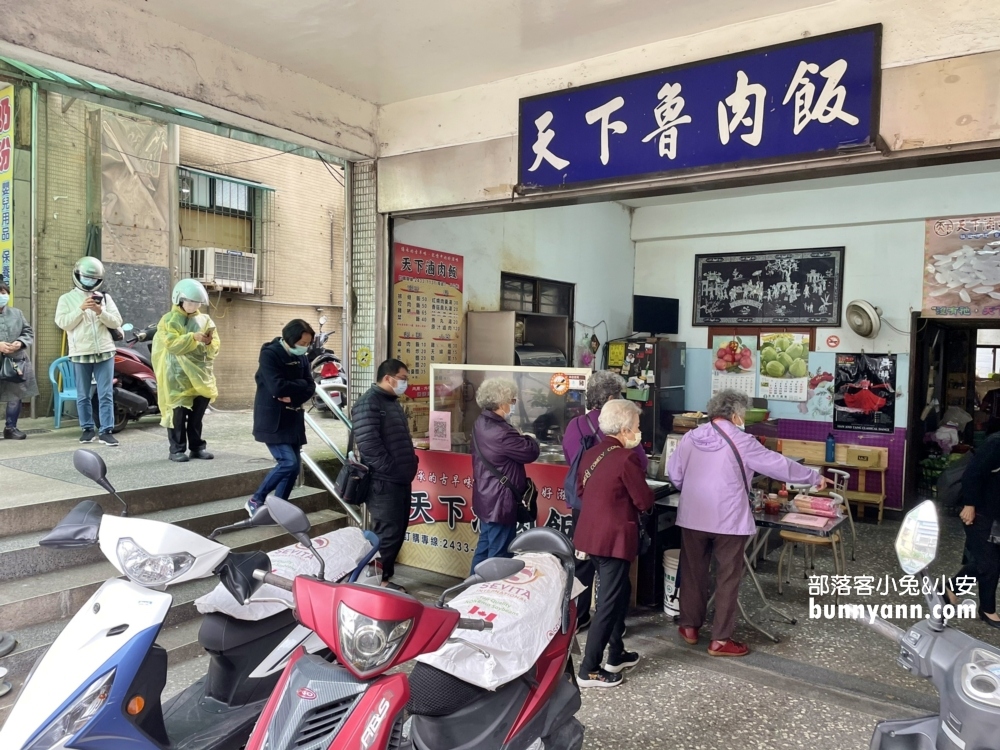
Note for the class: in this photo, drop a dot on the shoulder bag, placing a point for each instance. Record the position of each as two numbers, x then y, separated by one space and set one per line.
739 460
355 479
12 370
527 504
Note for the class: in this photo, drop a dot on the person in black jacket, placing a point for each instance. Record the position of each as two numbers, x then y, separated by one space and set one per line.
383 441
284 384
981 495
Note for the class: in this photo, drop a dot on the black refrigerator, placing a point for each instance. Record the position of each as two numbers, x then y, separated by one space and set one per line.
653 369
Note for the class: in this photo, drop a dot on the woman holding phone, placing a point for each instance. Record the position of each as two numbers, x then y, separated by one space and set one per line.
184 351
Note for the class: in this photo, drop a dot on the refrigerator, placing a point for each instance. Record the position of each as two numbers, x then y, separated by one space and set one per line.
653 369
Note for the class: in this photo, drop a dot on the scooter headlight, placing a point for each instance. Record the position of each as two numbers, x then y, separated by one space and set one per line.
366 643
151 570
65 726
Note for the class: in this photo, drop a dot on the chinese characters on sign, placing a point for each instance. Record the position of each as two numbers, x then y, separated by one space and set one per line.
805 98
426 320
6 182
962 268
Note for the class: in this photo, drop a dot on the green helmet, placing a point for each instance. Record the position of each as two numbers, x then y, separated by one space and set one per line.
190 290
88 274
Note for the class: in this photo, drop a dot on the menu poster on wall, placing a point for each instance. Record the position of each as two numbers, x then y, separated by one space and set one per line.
962 268
784 366
734 367
6 182
864 397
427 306
443 530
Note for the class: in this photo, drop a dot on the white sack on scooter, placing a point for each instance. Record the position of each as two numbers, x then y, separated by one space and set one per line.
526 612
342 550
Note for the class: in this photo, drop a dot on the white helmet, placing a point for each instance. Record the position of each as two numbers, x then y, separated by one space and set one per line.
88 274
191 291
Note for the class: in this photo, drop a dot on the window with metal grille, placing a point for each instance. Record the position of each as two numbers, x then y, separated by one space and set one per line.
527 294
227 228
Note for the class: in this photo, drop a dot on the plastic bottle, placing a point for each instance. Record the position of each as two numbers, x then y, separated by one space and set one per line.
831 449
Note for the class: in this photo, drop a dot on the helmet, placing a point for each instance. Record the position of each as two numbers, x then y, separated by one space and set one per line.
190 290
88 274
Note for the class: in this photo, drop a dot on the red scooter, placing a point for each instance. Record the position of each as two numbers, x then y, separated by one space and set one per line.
317 705
134 379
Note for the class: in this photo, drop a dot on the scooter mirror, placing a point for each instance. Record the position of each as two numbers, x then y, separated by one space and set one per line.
916 543
498 568
290 517
262 517
93 467
322 320
128 327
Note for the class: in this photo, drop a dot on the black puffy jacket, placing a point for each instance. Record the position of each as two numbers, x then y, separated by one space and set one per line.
281 374
383 438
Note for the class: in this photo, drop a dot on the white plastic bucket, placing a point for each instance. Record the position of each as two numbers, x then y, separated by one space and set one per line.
671 592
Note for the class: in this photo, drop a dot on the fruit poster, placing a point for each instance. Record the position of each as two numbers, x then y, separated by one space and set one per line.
426 321
864 398
962 268
784 366
734 367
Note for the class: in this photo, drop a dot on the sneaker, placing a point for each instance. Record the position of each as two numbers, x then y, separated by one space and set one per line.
88 436
728 648
108 439
251 506
626 660
601 678
180 458
12 433
203 455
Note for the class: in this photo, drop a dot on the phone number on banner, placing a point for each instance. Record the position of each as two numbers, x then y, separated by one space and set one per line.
439 542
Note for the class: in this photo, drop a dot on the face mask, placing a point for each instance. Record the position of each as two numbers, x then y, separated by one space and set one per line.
4 299
400 388
190 307
633 441
89 281
510 412
298 351
742 426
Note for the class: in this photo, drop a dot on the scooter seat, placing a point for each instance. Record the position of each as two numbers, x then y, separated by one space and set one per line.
220 633
434 692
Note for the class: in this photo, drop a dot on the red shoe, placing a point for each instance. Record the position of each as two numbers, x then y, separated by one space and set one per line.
728 648
690 635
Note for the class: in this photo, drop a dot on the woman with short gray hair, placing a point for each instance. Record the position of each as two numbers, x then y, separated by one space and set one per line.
712 467
499 455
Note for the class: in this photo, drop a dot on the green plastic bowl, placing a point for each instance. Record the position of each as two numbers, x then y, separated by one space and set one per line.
753 416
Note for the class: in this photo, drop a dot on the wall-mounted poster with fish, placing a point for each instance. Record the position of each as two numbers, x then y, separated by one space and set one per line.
787 287
962 268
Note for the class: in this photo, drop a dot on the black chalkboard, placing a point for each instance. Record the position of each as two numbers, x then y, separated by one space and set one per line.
786 287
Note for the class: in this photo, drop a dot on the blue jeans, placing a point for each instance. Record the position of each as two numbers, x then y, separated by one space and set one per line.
494 539
104 374
281 479
13 413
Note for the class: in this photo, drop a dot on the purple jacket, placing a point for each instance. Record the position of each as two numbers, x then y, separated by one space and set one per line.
508 450
578 427
713 497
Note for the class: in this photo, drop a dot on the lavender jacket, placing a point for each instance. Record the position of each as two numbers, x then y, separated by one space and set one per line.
713 496
578 427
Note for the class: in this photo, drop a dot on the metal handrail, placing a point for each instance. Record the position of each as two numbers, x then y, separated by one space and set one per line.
314 467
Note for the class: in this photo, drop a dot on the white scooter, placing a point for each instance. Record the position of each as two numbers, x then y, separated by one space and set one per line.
99 685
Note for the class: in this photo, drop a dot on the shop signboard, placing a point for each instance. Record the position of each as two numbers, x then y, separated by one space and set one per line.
443 530
6 182
864 398
962 268
426 321
808 98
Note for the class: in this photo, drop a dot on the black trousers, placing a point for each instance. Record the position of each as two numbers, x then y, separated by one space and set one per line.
186 432
585 575
983 562
609 621
389 507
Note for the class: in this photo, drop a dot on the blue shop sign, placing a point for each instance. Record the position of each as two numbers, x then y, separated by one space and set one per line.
798 100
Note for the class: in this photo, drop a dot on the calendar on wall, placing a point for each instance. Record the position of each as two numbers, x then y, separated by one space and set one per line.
426 320
734 365
784 366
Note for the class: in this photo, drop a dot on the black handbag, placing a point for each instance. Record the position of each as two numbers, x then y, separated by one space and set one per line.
995 532
12 370
527 504
354 480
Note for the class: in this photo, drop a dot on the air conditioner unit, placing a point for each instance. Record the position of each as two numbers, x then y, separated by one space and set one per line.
217 268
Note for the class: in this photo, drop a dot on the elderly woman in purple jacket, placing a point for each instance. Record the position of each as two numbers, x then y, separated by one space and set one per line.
715 514
497 444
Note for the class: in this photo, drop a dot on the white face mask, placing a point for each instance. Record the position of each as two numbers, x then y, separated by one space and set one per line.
741 426
4 299
400 388
633 441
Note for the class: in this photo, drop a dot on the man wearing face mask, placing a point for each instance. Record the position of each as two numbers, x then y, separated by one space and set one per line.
88 315
383 442
713 467
184 352
284 385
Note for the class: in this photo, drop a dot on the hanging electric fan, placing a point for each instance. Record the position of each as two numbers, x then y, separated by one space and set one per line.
864 318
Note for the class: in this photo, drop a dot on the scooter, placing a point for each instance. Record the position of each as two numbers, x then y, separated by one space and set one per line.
99 684
356 704
327 370
134 379
965 671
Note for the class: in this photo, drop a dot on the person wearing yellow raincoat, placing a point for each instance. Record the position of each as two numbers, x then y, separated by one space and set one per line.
184 350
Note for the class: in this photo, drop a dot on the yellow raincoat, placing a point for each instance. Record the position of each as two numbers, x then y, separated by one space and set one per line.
183 366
